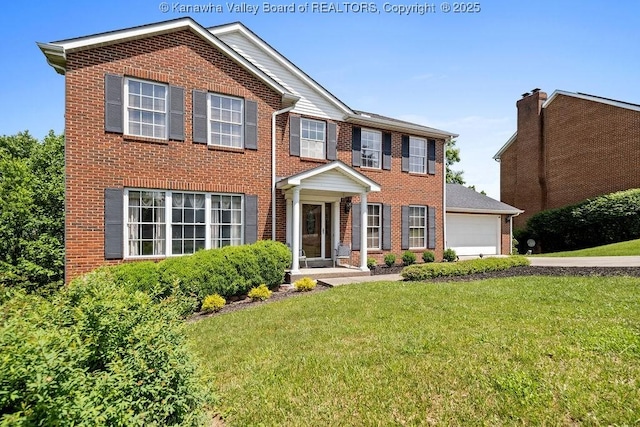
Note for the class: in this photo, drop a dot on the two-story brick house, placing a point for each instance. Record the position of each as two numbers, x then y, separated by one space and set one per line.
568 147
180 137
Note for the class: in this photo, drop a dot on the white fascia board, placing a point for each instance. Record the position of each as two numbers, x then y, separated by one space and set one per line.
485 211
507 144
414 129
55 55
238 27
618 104
296 179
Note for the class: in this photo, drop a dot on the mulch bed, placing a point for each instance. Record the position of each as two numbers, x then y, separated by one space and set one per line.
289 292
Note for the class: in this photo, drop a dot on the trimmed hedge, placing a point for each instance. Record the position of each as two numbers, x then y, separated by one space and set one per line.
599 221
427 271
96 354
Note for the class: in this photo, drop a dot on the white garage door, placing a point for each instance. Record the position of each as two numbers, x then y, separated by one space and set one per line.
473 234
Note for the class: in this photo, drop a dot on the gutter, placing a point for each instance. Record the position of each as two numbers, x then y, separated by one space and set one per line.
273 168
398 126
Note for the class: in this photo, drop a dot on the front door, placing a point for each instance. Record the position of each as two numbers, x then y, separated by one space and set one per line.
313 218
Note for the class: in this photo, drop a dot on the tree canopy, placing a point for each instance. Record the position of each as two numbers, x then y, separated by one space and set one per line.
452 155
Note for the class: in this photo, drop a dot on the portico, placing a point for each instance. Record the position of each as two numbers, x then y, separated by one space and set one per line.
313 210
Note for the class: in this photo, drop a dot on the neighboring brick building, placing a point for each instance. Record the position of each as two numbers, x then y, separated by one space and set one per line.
169 133
568 148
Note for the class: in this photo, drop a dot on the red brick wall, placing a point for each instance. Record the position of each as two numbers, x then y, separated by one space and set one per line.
96 160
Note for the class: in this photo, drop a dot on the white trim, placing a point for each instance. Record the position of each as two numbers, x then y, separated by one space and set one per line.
379 227
395 125
126 106
612 102
507 144
323 142
485 211
296 180
210 95
425 228
380 151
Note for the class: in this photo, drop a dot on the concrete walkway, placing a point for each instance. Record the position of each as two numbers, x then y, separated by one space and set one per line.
339 281
593 261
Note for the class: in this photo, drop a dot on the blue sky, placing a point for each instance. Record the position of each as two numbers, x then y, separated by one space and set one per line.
461 72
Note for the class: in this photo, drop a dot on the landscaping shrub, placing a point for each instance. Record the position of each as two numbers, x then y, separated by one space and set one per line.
449 255
428 256
408 258
140 276
371 262
390 259
305 284
431 270
95 354
273 258
260 293
602 220
213 303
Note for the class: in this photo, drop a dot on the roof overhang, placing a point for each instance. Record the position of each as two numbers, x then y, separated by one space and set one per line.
484 211
586 97
395 125
349 173
507 144
56 52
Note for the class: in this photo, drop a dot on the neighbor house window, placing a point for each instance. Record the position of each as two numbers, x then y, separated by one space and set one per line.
417 226
417 155
226 220
374 226
371 148
312 138
146 223
226 121
146 108
195 221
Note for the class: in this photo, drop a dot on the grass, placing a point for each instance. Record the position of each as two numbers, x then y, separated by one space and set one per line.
526 350
629 248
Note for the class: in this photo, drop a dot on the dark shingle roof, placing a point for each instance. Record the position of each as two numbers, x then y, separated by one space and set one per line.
464 199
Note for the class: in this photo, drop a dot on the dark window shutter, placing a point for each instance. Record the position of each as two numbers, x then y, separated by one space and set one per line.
386 227
356 144
250 125
355 227
332 141
431 221
113 108
405 228
431 156
113 226
294 135
405 153
176 113
386 151
250 219
199 117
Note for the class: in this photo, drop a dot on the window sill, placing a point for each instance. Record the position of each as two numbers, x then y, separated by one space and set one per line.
367 169
227 149
136 138
375 251
313 160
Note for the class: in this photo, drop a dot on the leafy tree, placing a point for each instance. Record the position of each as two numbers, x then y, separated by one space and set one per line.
452 155
31 210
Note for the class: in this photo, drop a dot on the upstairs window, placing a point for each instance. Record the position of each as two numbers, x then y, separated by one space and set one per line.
371 149
417 155
146 108
312 138
226 121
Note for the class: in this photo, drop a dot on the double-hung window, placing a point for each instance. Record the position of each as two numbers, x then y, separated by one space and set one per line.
417 155
417 226
371 148
374 226
163 223
146 108
312 138
226 121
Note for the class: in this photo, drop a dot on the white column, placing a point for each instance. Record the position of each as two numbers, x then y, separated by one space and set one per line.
295 236
335 224
288 222
363 232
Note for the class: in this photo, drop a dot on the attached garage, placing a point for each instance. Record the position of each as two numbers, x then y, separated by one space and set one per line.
477 224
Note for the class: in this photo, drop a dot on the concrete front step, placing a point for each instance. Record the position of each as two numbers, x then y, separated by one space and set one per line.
325 273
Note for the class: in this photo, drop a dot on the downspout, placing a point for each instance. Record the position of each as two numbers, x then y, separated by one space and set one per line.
444 196
273 168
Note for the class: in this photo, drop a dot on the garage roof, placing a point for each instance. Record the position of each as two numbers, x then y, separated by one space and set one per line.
467 200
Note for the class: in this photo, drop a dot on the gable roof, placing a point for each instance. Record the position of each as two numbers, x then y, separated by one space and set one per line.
56 52
336 165
466 200
371 119
578 95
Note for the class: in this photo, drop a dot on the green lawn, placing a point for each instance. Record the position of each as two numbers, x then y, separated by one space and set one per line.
632 247
517 351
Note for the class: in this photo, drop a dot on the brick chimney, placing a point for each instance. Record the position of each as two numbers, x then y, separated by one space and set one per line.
530 174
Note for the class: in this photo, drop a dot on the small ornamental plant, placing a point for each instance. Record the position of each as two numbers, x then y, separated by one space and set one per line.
389 259
371 262
261 293
449 255
213 303
408 258
428 256
305 284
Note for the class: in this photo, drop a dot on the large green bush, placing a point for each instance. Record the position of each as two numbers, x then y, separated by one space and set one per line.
602 220
430 270
95 354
